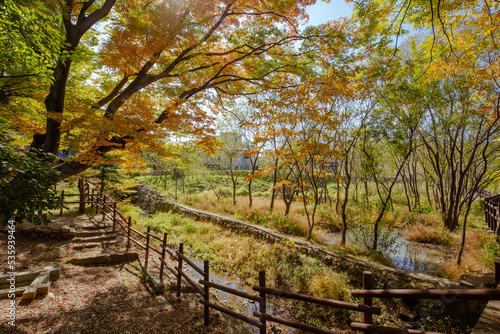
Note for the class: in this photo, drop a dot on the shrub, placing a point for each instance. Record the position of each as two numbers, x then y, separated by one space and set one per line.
224 191
28 184
490 251
436 235
285 225
329 219
478 207
277 222
258 218
242 191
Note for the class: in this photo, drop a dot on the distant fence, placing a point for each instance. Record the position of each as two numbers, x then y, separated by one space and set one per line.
176 253
491 210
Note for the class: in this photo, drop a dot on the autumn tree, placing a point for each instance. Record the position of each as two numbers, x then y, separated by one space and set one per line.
132 72
225 158
240 118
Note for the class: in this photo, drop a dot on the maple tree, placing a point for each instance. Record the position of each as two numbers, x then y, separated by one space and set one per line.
132 72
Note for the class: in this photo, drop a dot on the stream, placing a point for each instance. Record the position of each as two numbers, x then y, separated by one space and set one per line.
405 255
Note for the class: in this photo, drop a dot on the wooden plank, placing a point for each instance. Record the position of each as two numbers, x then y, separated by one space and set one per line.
191 263
168 267
156 237
232 313
231 291
386 330
489 322
190 281
138 243
467 294
320 301
294 324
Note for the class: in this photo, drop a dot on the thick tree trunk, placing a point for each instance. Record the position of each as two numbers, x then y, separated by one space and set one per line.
54 102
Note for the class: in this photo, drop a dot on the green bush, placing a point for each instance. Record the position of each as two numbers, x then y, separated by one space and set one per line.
28 181
285 225
242 191
277 222
478 207
258 218
490 251
224 191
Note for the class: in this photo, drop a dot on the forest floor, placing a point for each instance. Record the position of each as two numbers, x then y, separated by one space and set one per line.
96 299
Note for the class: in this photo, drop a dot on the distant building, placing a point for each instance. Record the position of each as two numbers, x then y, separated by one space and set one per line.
243 162
240 160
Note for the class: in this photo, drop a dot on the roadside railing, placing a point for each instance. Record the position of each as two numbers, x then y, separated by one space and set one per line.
171 259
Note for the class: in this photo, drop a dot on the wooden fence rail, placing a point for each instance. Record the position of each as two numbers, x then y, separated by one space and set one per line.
491 210
145 241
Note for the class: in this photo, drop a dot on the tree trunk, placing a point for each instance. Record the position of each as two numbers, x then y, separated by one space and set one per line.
386 201
344 203
273 193
367 193
250 193
464 229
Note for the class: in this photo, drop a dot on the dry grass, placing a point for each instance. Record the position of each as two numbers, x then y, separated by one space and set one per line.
435 235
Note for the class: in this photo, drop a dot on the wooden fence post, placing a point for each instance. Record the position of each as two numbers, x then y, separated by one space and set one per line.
97 198
92 200
179 268
163 251
367 285
489 215
262 304
81 189
103 207
487 208
497 219
114 216
128 232
62 203
497 270
206 309
148 236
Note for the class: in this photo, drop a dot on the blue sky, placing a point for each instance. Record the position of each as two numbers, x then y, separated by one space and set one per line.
321 12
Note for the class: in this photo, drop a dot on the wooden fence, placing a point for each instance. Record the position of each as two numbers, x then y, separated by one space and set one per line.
491 210
176 254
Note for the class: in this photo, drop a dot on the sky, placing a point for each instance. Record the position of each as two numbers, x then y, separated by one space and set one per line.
321 12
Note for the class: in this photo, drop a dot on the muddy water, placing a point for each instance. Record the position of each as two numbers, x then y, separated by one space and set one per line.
403 254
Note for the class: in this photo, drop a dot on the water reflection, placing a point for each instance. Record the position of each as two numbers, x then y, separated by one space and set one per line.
405 255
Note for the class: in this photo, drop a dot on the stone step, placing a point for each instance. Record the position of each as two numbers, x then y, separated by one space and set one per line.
105 258
95 226
96 233
94 244
95 239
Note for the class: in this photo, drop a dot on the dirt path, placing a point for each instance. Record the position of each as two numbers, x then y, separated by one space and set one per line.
96 299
